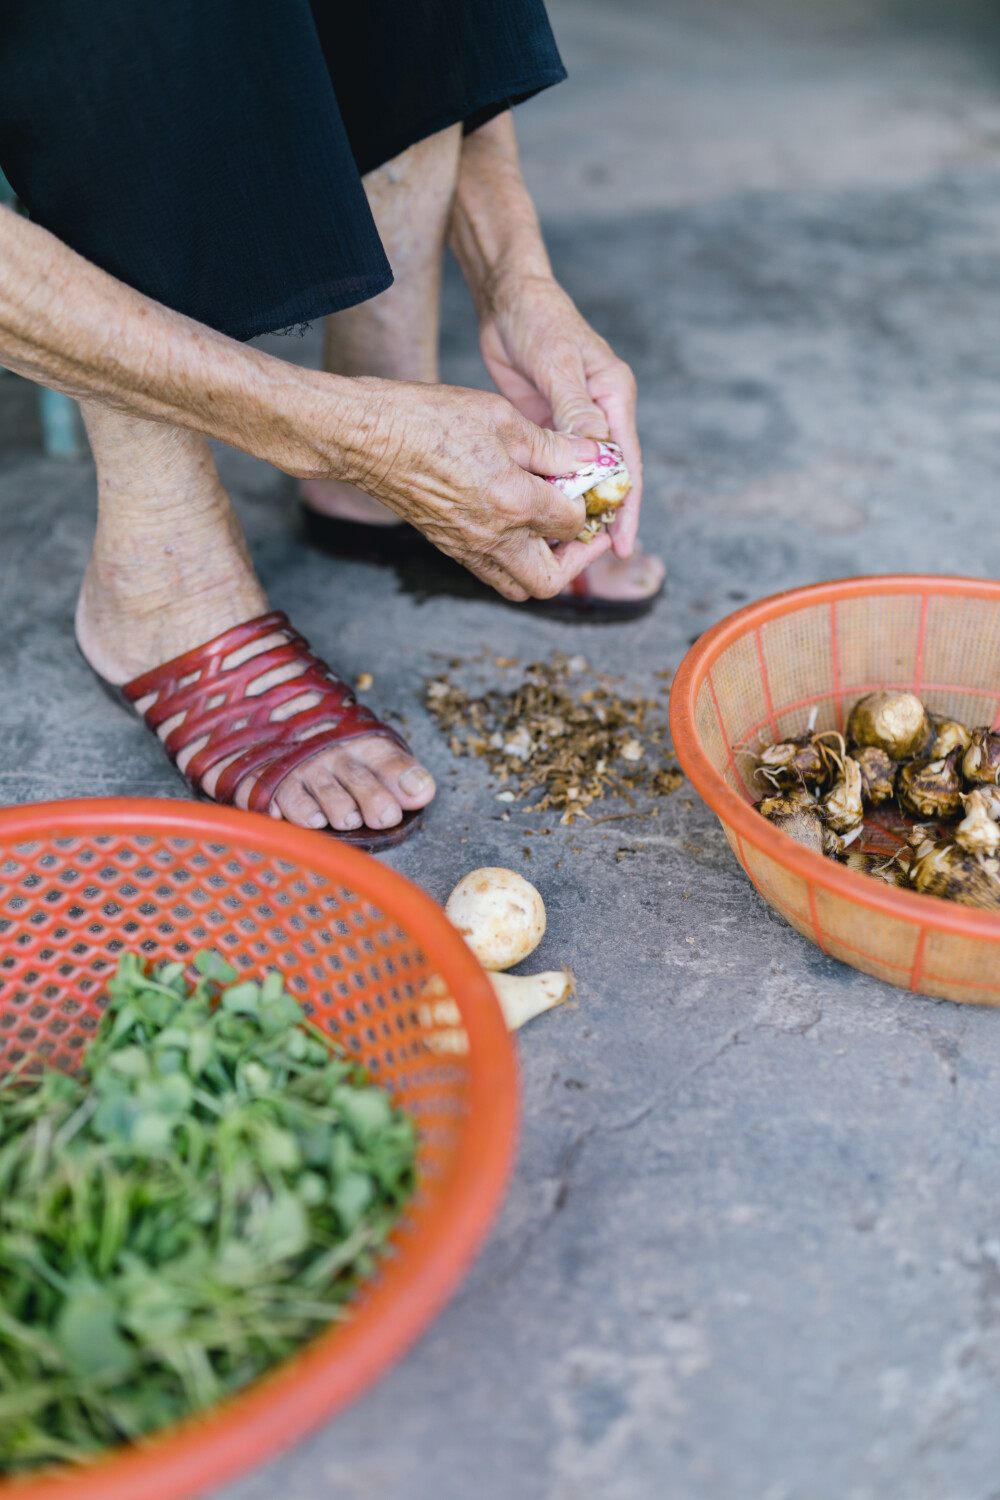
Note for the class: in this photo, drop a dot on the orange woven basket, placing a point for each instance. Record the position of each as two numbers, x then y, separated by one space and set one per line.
753 679
373 960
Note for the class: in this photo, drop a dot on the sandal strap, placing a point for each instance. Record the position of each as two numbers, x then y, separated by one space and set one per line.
212 699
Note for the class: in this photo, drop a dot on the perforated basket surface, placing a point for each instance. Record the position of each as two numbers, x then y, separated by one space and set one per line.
753 679
376 964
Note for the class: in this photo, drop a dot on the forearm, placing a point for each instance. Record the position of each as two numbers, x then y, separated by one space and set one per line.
69 325
494 232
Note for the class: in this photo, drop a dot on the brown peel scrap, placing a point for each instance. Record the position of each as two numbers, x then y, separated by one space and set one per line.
574 749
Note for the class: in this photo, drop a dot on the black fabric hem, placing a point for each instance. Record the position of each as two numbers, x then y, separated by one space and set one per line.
489 112
514 90
308 307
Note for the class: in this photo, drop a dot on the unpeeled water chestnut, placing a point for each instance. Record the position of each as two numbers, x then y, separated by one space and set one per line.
892 720
931 788
878 775
981 762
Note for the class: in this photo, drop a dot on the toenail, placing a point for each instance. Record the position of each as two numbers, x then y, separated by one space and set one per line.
389 818
317 821
414 781
352 819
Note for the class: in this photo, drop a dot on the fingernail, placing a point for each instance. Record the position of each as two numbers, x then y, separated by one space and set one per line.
317 821
414 781
585 448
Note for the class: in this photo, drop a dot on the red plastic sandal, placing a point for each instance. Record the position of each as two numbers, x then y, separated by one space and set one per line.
209 698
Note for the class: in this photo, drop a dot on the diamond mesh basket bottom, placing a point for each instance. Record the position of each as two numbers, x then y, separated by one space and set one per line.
756 677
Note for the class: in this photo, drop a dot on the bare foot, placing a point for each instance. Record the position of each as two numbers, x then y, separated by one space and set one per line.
622 580
332 497
368 781
170 571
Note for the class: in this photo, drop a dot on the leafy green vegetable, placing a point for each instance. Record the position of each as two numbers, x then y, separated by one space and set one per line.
171 1225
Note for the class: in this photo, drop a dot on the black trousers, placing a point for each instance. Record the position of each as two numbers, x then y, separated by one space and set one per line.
210 152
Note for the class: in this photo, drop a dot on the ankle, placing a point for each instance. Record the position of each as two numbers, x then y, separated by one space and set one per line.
129 619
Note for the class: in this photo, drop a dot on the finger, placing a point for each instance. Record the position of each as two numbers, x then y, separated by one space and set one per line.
573 408
545 571
543 452
533 564
572 558
548 512
590 423
521 394
626 524
614 390
487 570
479 563
530 405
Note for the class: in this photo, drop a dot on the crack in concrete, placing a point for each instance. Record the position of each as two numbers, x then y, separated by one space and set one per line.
946 1050
570 1157
780 1030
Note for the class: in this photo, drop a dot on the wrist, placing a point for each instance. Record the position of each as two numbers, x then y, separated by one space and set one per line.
314 425
307 423
510 285
494 233
497 259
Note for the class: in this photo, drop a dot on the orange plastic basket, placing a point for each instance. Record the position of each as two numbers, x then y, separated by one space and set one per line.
376 963
753 679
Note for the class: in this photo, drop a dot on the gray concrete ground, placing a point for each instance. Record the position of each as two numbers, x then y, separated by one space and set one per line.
752 1251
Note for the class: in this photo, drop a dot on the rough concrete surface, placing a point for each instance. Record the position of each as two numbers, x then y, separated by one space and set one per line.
752 1249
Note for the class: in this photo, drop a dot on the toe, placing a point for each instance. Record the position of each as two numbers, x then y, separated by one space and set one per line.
328 789
296 805
379 807
410 783
646 574
626 579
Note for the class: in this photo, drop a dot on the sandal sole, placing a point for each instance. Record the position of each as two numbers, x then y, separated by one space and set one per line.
405 549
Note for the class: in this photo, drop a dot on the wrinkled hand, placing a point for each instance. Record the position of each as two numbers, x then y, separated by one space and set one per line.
462 466
543 355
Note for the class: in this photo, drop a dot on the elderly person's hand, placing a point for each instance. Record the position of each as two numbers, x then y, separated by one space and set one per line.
462 467
558 371
539 349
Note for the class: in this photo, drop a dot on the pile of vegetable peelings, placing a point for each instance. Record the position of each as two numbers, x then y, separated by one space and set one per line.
555 741
184 1215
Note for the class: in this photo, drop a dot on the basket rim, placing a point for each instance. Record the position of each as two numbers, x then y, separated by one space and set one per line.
926 912
333 1370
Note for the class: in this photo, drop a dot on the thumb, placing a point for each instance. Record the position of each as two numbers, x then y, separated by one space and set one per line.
574 411
541 451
